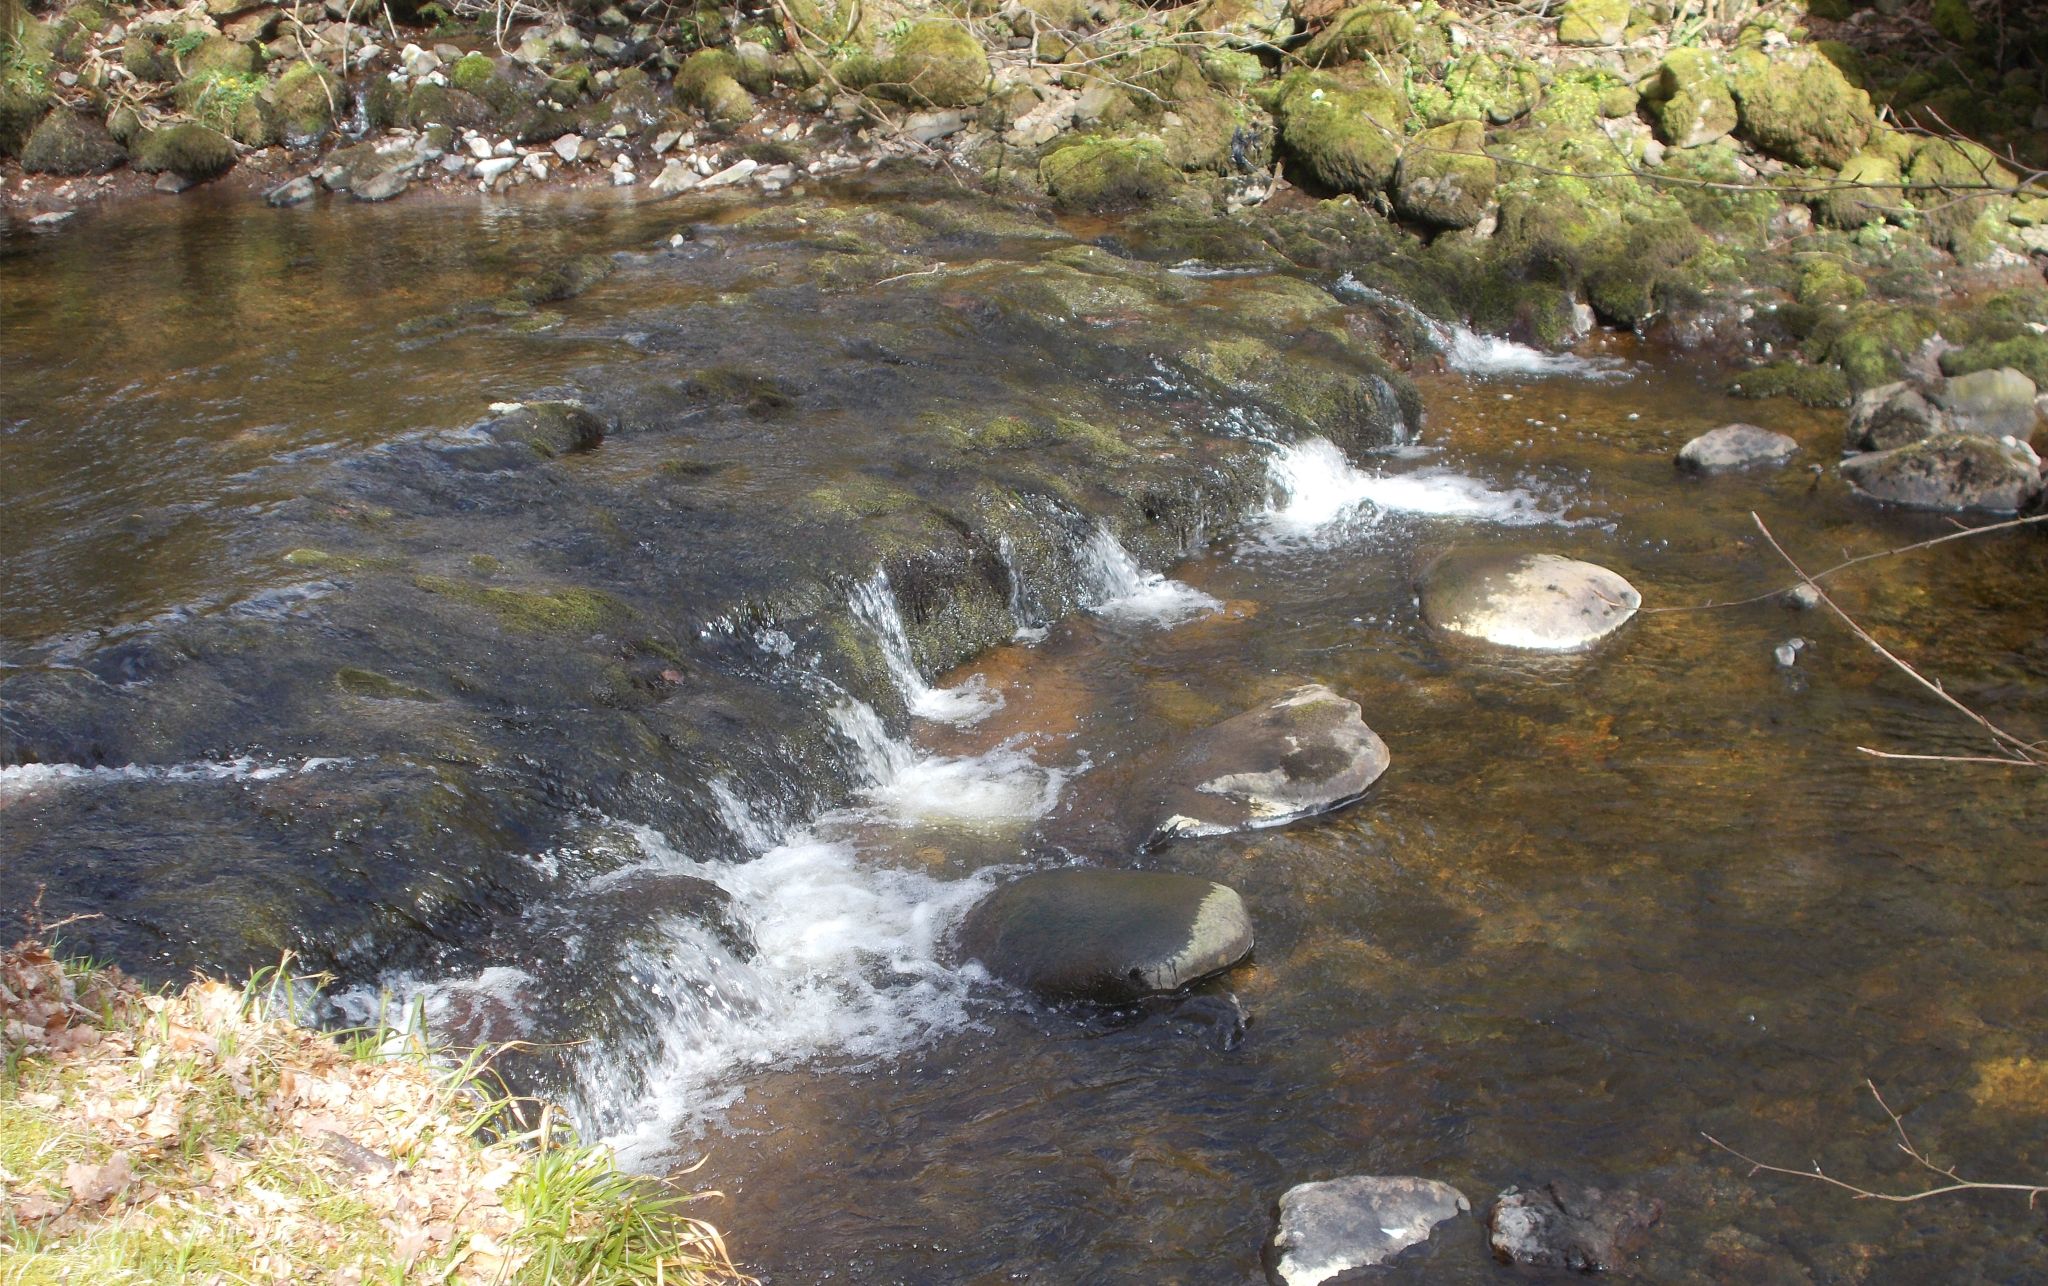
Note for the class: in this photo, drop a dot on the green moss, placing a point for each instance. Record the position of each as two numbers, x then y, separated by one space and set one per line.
24 98
937 63
68 142
189 151
564 280
709 82
1871 342
1953 19
1809 385
471 73
304 103
378 687
1445 179
563 611
2027 354
1691 102
1647 272
1865 191
1949 178
1231 70
1102 174
1367 31
1801 109
1343 136
218 55
1593 22
1825 281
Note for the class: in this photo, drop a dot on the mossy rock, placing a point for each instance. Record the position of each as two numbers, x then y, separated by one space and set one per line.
1872 342
1944 173
189 151
1249 24
937 63
1342 135
1646 270
1104 174
1217 134
1864 191
145 56
564 280
559 611
378 687
231 102
1801 109
471 72
2027 354
1367 31
507 90
1691 103
1444 177
218 55
1826 281
304 102
1484 87
1954 20
23 102
71 143
1808 385
429 105
709 82
1231 70
1593 22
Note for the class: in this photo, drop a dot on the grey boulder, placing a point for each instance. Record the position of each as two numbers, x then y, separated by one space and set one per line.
1536 602
1892 415
1329 1228
1083 934
1955 471
1735 446
1565 1225
1304 753
1997 403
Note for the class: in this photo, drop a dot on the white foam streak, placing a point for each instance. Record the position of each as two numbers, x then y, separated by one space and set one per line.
1471 353
1000 787
24 778
1320 496
1121 590
874 606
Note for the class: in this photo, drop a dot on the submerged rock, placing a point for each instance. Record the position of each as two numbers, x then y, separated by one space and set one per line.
1080 934
1565 1225
1735 446
296 191
1997 403
1329 1228
1305 753
1954 471
1540 602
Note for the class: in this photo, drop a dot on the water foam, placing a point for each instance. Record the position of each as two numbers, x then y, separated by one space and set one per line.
874 606
23 778
996 788
1470 352
1120 589
1318 494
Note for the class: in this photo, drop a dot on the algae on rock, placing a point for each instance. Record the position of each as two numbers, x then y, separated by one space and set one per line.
1445 177
1800 108
1102 174
1345 135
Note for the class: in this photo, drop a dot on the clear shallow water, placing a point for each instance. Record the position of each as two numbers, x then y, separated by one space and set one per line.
1598 906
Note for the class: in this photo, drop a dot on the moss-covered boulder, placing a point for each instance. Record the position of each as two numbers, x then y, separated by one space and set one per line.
1800 108
1246 24
1593 22
1864 191
1481 87
22 104
218 55
69 142
1826 281
304 103
1690 101
1343 135
938 63
1367 31
1445 178
189 151
1102 174
709 82
1959 184
146 55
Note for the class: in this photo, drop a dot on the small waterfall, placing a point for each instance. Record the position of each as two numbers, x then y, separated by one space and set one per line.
1024 606
1468 351
1118 588
874 606
1319 496
1000 787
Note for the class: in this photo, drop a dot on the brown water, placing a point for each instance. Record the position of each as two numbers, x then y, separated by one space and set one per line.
1599 906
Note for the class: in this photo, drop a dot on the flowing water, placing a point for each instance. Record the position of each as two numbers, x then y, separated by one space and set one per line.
272 673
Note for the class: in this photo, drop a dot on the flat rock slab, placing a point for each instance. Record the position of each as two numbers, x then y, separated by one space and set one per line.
1332 1227
1565 1225
1537 602
1735 446
1081 934
1306 752
1955 471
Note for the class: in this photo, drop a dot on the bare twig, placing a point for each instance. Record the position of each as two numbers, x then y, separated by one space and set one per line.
1905 1144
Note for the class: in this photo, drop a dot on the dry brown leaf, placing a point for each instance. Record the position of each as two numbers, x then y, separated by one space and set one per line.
35 1208
91 1184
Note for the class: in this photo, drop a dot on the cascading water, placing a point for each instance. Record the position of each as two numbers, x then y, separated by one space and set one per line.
1118 588
1471 353
1319 496
874 606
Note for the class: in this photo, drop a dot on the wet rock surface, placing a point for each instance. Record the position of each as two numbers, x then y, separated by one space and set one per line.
1570 1226
1956 471
1537 602
1997 403
1328 1228
1081 934
1736 446
1306 752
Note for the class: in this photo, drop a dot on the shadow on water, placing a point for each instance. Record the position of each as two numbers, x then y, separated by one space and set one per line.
634 747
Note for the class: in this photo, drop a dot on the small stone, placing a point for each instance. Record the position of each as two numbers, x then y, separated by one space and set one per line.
1330 1228
497 165
381 186
737 172
1565 1225
50 218
479 146
504 147
930 127
172 183
1788 652
1802 597
664 141
624 178
569 147
296 191
1735 446
535 163
675 177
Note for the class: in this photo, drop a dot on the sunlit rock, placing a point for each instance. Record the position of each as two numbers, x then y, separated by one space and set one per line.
1952 472
1569 1226
1735 446
1080 934
1538 602
1329 1228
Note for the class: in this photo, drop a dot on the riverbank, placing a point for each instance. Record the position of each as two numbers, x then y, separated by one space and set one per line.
200 1134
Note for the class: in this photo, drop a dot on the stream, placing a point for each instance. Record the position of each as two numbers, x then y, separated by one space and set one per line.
916 525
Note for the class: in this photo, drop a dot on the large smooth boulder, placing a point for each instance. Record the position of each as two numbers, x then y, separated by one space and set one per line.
1800 108
1329 1228
1538 602
1892 415
1997 403
1568 1226
1082 934
1735 446
191 152
1955 471
937 63
1306 752
1344 135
